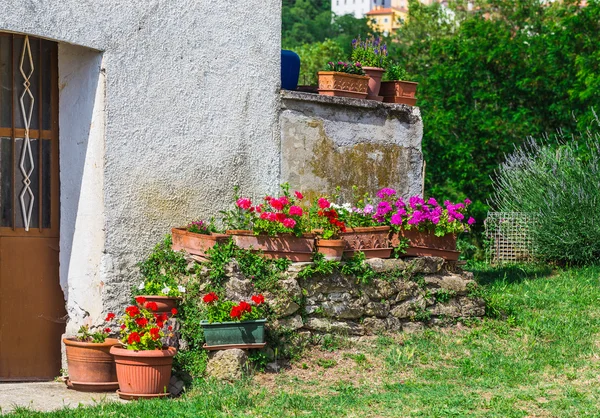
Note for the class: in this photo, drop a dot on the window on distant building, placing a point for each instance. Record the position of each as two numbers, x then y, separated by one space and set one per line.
385 20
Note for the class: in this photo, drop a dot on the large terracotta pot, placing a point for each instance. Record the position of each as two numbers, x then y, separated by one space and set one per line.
426 244
193 243
164 303
91 366
333 83
297 249
143 374
332 249
373 241
375 74
399 92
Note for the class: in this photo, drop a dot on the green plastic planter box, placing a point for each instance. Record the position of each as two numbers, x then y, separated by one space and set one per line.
234 333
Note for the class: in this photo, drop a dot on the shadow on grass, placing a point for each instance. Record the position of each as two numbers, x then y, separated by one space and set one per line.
486 274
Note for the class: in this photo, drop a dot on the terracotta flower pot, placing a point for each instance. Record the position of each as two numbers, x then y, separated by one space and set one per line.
143 374
333 83
297 249
373 241
426 244
91 366
164 303
332 249
375 74
193 243
399 92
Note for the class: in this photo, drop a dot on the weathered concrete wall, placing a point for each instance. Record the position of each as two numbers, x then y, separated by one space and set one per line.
191 102
334 141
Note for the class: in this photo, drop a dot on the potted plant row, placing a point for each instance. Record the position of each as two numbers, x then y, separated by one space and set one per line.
372 54
344 79
197 238
398 88
233 325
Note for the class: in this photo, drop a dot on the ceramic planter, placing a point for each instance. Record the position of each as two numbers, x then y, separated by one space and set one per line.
333 83
399 92
193 243
143 374
332 249
373 241
297 249
91 366
164 303
234 333
426 244
375 74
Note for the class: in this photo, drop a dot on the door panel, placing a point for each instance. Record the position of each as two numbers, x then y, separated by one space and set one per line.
32 308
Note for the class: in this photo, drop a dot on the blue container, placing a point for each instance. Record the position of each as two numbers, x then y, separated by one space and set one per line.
290 69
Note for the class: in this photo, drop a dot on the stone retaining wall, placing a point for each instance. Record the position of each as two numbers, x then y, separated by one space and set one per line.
406 294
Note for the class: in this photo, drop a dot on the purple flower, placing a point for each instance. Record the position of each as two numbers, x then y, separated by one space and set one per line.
414 201
383 208
400 203
386 191
467 201
471 221
396 219
447 203
368 209
432 202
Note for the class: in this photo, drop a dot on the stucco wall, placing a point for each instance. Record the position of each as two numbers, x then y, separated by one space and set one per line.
335 141
191 104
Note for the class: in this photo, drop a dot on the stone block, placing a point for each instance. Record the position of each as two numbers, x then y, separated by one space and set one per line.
472 307
453 282
378 309
343 310
329 284
238 288
293 322
327 325
380 265
425 265
291 288
451 309
230 365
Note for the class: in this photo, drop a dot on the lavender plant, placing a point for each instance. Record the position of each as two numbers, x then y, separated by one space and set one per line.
560 184
371 52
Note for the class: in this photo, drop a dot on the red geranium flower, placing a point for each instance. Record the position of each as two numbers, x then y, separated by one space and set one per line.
258 299
299 195
170 328
132 311
277 204
123 326
152 306
141 322
155 333
140 300
323 203
280 217
245 307
110 316
173 311
107 330
236 312
210 297
134 337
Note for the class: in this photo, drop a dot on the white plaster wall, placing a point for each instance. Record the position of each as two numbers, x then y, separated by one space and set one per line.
358 8
191 104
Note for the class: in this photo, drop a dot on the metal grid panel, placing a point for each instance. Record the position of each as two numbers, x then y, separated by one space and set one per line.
508 235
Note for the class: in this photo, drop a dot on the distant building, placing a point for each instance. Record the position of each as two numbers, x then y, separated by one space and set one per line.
360 8
387 19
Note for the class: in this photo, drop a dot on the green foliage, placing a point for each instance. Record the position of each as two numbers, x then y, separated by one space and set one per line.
400 249
237 218
84 335
421 314
202 227
259 360
227 311
162 269
558 185
396 72
326 363
485 84
345 67
357 267
314 56
320 267
444 295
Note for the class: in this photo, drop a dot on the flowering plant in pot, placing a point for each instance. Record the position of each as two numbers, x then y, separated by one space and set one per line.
90 364
372 53
143 363
398 86
197 237
327 225
343 79
279 227
429 228
161 272
229 323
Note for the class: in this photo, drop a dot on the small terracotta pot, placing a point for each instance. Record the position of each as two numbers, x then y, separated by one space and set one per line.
332 249
196 244
143 374
399 92
296 249
91 366
375 74
164 303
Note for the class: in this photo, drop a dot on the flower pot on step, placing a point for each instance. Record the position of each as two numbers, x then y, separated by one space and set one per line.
427 244
164 303
333 83
399 92
234 333
296 249
373 241
91 366
375 74
143 374
332 249
193 243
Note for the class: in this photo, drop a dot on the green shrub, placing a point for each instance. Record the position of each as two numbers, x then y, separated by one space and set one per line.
559 185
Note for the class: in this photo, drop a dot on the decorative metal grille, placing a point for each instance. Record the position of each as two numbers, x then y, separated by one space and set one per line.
26 154
509 238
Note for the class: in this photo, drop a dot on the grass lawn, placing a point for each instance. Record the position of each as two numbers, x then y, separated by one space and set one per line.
542 359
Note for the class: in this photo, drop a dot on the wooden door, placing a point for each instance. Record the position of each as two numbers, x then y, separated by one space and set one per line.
32 308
